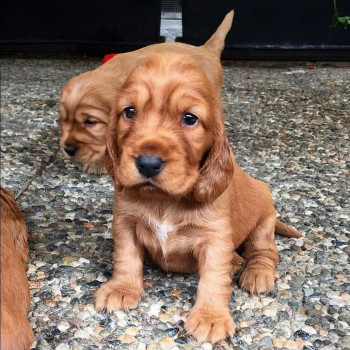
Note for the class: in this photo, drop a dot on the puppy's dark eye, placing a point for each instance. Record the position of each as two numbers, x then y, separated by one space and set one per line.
90 122
129 112
189 119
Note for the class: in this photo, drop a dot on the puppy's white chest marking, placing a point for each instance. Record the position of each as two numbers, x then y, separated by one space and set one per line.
161 231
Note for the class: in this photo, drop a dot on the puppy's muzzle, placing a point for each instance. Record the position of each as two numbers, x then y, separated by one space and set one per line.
70 150
149 166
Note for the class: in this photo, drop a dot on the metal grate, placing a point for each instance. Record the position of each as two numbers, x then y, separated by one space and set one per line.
173 6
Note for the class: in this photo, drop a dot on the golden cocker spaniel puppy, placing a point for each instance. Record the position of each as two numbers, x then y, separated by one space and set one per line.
16 333
181 200
86 100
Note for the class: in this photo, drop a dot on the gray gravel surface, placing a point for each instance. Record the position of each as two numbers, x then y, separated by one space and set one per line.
288 126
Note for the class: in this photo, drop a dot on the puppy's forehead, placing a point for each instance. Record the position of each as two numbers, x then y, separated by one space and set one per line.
167 72
88 90
74 91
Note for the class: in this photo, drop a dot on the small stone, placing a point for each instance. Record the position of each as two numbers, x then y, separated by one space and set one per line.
166 343
337 302
114 344
131 331
62 347
153 347
329 347
290 344
333 336
34 285
279 342
345 297
165 317
92 285
83 260
207 346
283 286
121 315
341 277
269 311
154 309
181 340
43 345
265 301
308 291
98 329
175 293
345 340
56 290
31 268
300 343
309 246
80 333
247 338
242 324
266 341
63 326
302 335
40 275
172 331
101 279
122 323
310 330
104 333
67 260
127 339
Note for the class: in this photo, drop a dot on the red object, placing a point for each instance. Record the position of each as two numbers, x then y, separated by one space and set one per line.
108 57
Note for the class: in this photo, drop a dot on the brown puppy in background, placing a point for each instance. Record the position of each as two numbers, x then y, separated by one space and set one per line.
86 100
181 200
16 333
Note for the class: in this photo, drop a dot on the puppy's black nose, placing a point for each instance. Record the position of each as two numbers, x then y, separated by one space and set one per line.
149 166
70 150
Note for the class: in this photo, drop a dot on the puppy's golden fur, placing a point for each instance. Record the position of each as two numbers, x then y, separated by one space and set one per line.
16 333
86 100
199 208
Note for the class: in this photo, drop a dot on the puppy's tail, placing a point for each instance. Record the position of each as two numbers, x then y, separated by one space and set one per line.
284 230
216 43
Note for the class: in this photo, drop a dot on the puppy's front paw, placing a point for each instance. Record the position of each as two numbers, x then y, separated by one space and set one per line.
97 168
257 280
210 325
114 296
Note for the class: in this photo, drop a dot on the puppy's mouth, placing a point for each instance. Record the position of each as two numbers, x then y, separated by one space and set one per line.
149 189
147 186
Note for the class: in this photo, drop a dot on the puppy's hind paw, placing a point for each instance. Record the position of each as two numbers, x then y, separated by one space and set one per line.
255 280
112 296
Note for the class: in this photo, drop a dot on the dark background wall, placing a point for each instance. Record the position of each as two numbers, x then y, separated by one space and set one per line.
297 29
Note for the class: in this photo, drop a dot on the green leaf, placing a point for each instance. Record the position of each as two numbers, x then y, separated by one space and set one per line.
344 21
338 21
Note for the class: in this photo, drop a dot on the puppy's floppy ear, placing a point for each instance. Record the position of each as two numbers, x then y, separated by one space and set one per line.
109 165
217 170
110 156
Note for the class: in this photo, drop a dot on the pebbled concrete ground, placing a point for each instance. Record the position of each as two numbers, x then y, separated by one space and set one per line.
288 126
